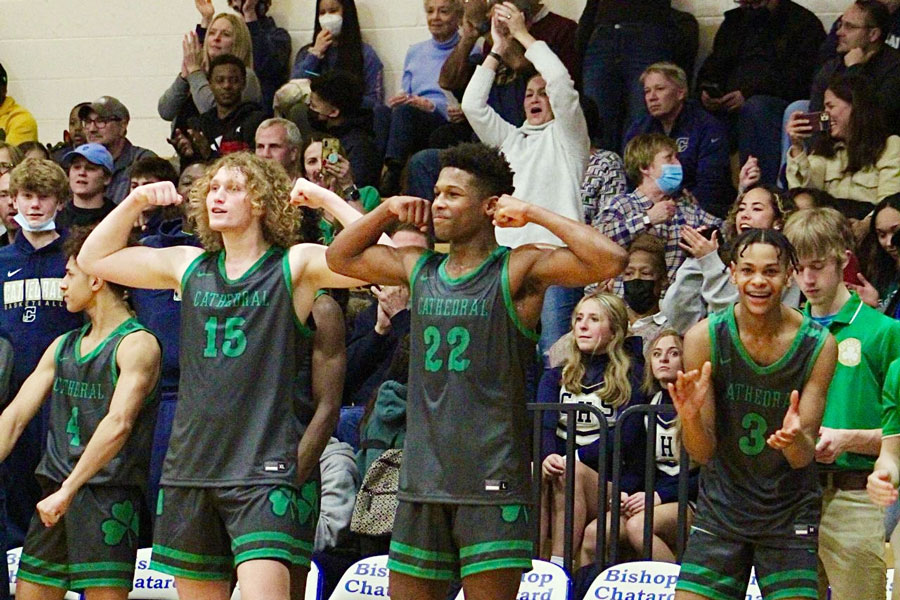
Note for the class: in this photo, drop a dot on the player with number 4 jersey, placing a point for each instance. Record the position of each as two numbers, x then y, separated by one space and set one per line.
464 490
751 402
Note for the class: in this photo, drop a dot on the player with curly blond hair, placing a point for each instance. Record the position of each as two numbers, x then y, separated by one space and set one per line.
235 490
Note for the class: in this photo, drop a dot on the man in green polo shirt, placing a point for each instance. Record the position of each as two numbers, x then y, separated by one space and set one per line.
851 533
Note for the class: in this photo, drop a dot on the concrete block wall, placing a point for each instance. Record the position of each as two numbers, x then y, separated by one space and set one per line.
60 52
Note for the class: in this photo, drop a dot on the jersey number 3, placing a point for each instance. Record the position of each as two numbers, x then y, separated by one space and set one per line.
755 441
457 339
234 342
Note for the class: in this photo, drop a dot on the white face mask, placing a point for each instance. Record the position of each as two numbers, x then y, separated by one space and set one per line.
48 225
332 22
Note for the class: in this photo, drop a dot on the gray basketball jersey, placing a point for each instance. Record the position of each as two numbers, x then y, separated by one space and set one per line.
467 437
83 387
236 422
748 488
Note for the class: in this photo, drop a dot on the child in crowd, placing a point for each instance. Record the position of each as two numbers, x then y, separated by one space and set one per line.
603 368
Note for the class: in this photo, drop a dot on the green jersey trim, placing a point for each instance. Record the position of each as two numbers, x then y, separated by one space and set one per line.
820 343
713 342
789 575
420 262
510 306
76 349
191 268
488 547
102 582
304 330
24 575
62 342
701 590
253 268
495 564
189 573
745 355
191 557
714 576
442 269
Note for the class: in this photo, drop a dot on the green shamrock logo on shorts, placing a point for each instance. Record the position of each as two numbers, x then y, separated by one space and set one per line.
124 522
511 512
302 507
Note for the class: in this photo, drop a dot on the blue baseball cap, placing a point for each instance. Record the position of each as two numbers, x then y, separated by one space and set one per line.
94 153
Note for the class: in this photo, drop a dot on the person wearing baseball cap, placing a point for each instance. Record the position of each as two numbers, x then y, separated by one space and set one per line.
16 123
90 168
105 122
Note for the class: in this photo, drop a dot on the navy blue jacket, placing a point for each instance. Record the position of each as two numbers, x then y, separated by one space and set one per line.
369 354
33 312
160 310
703 152
634 433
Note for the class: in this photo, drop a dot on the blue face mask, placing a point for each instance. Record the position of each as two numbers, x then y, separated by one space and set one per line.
670 180
48 225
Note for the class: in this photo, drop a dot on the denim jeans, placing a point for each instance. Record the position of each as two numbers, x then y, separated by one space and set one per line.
401 130
614 59
756 131
422 173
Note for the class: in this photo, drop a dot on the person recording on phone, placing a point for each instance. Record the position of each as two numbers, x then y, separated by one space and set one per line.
853 157
548 153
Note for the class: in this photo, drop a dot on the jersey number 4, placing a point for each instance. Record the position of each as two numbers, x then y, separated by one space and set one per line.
457 339
234 341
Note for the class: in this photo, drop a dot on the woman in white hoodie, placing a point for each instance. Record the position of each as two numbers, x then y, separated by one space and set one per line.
548 153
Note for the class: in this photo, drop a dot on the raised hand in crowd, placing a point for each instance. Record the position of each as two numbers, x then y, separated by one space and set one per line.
750 174
337 175
248 10
696 244
475 21
206 10
192 54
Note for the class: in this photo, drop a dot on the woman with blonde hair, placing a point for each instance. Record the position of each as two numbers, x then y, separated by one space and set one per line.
190 94
602 367
663 357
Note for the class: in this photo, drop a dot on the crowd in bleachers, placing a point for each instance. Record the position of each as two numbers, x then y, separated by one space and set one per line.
603 121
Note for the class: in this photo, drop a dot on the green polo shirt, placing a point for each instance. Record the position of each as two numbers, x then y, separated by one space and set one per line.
868 342
890 415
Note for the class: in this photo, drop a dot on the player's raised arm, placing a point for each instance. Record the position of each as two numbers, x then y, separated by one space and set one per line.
138 359
27 402
692 395
588 257
355 252
105 253
797 436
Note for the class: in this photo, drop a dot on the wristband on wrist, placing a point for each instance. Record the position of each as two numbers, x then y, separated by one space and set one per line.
496 56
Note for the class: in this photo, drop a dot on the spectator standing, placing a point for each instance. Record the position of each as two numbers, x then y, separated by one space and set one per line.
851 532
763 57
271 44
702 139
16 123
337 44
617 40
105 121
548 153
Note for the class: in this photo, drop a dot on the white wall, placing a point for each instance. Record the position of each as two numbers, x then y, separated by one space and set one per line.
60 52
